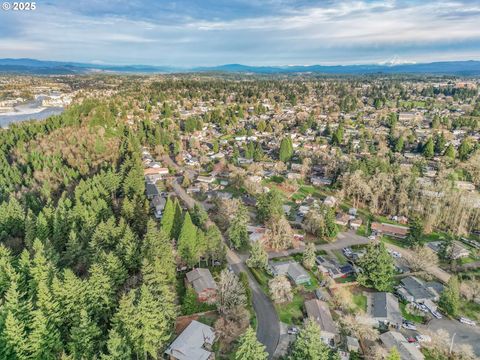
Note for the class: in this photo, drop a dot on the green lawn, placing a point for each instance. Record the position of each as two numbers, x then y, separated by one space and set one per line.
262 278
341 259
410 317
393 241
291 313
470 310
360 301
342 280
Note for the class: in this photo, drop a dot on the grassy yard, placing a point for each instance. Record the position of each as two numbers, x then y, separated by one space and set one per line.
262 278
408 316
470 310
360 302
393 241
291 313
341 259
342 280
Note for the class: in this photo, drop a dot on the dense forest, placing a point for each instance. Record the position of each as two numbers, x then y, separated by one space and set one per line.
83 274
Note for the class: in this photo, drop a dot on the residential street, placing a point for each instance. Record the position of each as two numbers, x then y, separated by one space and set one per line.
268 325
464 334
344 239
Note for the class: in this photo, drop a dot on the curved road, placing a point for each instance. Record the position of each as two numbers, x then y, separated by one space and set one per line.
268 324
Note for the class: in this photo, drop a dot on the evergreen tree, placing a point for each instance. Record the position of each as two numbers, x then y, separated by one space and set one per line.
117 347
286 149
309 345
378 268
250 348
84 337
450 298
237 231
258 256
187 242
44 339
464 150
168 217
177 220
215 246
415 233
429 149
269 205
13 339
450 152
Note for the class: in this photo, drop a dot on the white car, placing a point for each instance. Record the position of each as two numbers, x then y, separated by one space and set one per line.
372 237
436 314
396 254
293 331
423 338
409 326
467 321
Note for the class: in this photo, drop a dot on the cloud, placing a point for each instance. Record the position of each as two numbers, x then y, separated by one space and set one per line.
276 32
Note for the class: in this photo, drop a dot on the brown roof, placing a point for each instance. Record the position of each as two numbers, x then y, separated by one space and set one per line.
390 228
319 311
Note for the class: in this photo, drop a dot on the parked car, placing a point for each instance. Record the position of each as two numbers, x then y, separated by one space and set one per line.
411 339
436 314
372 237
409 325
293 330
423 338
396 254
467 321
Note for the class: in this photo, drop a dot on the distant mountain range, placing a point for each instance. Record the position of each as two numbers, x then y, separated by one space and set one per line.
41 67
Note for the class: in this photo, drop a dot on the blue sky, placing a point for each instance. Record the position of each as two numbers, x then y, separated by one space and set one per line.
254 32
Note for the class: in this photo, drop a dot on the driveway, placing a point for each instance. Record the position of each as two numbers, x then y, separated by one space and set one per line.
464 334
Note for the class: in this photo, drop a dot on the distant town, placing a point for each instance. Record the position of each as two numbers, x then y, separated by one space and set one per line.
239 216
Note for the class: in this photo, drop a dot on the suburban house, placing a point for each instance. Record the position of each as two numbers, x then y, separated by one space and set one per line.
158 204
153 174
330 201
384 309
413 289
342 219
356 223
319 311
332 268
151 190
353 344
194 343
455 252
397 231
293 270
202 282
407 351
206 179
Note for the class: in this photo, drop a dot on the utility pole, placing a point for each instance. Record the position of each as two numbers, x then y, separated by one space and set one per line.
451 343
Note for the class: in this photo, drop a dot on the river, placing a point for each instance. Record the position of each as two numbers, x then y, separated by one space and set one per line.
31 110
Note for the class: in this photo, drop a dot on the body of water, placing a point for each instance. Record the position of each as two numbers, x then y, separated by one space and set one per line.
32 110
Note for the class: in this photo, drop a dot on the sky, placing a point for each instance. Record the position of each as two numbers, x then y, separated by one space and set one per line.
190 33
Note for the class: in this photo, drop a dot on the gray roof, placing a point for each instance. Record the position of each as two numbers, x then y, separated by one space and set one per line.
319 311
407 350
159 202
417 288
151 189
291 268
385 307
189 345
201 279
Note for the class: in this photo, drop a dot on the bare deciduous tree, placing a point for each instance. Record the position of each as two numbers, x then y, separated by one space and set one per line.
280 289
